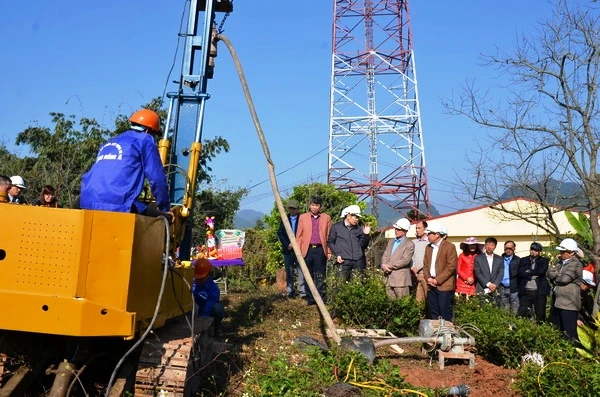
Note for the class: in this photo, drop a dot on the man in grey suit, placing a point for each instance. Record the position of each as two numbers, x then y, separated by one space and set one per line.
397 260
488 269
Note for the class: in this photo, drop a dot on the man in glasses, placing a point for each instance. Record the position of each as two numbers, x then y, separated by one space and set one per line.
15 193
509 288
397 260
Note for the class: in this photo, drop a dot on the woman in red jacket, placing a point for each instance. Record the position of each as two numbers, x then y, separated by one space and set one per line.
465 280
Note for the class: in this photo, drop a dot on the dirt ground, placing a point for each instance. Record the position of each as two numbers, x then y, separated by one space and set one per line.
258 326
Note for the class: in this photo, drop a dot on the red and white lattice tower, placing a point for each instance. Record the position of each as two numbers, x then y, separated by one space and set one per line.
375 142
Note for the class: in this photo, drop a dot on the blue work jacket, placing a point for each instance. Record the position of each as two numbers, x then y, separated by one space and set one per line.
205 296
117 177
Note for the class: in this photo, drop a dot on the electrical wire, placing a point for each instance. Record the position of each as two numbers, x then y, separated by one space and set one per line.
292 167
166 265
179 304
162 98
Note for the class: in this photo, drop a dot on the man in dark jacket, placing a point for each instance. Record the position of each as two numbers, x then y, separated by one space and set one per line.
488 269
533 285
347 242
289 258
509 289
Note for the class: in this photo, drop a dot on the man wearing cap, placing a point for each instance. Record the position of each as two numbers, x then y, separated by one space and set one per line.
533 285
5 185
15 193
421 242
397 261
312 234
439 270
566 276
289 258
488 269
347 242
587 300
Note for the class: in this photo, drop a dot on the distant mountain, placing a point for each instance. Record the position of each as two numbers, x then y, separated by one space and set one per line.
245 219
565 194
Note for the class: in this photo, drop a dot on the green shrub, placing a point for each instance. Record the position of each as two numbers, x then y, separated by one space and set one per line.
315 371
363 303
504 338
589 337
574 377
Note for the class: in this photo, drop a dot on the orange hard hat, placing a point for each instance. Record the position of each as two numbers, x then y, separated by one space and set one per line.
202 267
146 118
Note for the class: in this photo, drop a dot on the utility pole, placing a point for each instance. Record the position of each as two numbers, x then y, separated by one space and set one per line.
376 145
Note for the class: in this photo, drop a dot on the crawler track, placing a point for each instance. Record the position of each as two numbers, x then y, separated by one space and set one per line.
171 357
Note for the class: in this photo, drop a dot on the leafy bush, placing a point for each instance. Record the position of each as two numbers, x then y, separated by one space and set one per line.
309 375
504 338
363 303
559 378
589 337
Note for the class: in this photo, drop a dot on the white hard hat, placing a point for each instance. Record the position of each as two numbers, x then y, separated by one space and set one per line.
402 223
568 244
351 209
444 230
17 181
588 278
435 227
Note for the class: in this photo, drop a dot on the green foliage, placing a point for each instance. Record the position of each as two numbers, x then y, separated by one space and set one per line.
568 377
61 154
319 370
582 227
504 338
218 202
333 202
255 255
363 303
590 340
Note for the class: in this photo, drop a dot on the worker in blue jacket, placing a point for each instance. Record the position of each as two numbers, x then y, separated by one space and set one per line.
117 177
206 293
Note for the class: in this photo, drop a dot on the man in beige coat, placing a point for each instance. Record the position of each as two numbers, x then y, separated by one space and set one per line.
397 260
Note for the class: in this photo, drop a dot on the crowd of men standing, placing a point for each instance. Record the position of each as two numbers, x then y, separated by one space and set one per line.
430 267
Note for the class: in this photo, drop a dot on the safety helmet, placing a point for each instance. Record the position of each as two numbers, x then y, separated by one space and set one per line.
146 118
403 224
17 181
351 210
202 267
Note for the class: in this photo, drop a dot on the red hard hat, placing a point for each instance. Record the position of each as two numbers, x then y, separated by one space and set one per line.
202 267
146 118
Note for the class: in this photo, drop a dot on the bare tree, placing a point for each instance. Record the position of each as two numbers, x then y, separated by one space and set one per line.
543 123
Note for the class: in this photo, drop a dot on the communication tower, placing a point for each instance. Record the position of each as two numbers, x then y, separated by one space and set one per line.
375 141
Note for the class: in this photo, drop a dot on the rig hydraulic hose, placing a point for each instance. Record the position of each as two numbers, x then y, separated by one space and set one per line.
273 180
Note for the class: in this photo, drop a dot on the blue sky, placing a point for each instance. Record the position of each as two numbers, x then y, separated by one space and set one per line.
99 59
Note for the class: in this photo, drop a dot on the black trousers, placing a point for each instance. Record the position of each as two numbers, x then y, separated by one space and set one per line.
566 321
532 302
440 304
317 267
346 268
